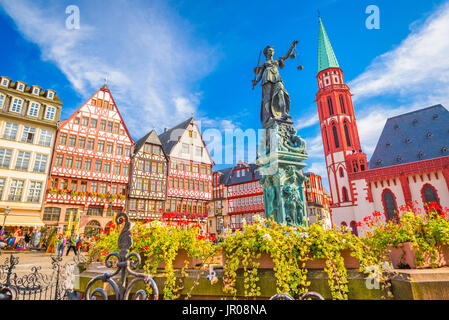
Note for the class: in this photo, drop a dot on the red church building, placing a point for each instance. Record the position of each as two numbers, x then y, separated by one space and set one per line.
90 166
410 162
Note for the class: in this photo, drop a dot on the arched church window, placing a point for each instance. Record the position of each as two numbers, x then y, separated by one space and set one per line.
390 207
342 104
342 174
430 194
327 140
345 195
348 141
330 106
334 131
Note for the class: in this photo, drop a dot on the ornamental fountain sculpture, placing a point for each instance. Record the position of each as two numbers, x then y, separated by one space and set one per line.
281 151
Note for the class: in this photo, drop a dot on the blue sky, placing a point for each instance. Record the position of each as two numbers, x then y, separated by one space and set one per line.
168 59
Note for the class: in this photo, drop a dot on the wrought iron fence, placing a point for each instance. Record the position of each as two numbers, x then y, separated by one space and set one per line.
36 285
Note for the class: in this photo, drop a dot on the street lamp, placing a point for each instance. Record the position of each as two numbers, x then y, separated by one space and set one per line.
6 213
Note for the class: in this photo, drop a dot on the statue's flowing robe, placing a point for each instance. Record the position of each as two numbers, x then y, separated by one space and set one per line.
274 94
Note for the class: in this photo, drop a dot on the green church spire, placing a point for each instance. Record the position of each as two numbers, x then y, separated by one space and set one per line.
326 55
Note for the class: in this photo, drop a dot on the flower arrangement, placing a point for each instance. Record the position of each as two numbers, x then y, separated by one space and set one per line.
425 231
159 243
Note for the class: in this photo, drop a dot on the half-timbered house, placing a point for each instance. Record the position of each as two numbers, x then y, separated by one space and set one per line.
90 166
147 185
190 172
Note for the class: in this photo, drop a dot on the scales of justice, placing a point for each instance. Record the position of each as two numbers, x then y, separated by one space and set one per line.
281 152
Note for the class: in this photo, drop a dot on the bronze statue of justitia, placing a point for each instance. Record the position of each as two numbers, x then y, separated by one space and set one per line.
275 99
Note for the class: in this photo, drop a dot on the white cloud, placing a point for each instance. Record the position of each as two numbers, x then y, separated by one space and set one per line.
148 52
417 67
308 121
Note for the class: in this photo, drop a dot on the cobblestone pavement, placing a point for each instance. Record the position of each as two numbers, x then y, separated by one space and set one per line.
27 260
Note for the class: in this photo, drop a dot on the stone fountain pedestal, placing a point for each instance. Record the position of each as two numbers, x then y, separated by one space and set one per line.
280 159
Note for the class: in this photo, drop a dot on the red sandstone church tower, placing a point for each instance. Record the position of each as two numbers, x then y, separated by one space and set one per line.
338 126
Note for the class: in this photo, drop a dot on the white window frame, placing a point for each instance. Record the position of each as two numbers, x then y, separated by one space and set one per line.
36 91
34 191
5 154
48 112
2 187
23 157
34 106
5 82
45 137
26 131
2 100
40 163
20 86
13 128
185 148
16 189
16 105
50 95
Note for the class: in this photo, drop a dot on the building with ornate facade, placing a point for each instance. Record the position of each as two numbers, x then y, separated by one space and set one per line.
238 196
410 162
148 178
318 201
189 187
90 167
28 124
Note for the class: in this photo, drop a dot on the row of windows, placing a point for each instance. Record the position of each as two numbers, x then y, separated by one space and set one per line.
237 219
28 134
330 105
99 145
23 160
54 214
188 167
244 186
85 186
149 185
17 105
186 206
108 126
186 150
86 164
335 135
21 87
245 201
16 190
152 149
150 166
187 184
144 205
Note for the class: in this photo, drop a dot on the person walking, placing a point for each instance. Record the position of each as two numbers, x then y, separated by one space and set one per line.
62 245
72 245
79 243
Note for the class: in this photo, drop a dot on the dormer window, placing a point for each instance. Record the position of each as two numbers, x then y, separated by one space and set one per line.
50 94
20 87
36 91
5 82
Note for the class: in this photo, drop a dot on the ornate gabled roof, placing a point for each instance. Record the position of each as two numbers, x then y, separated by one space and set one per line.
414 136
150 137
326 55
170 137
252 175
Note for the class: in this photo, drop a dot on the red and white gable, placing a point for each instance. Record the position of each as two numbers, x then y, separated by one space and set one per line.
191 146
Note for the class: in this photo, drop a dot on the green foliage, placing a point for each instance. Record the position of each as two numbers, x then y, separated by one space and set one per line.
158 243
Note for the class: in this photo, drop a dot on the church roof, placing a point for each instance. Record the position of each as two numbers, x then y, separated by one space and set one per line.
414 136
326 55
170 137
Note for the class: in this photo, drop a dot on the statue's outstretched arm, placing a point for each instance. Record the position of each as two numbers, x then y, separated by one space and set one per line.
288 54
